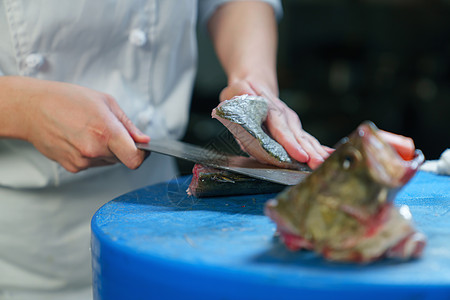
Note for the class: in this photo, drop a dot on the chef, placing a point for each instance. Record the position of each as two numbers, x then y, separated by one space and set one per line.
81 82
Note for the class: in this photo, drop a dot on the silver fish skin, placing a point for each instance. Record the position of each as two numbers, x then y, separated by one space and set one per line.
244 116
344 210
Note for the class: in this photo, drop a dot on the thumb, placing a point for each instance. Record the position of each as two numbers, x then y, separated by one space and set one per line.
137 135
123 138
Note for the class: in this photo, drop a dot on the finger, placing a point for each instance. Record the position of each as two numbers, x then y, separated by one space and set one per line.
137 135
286 128
315 162
70 167
101 161
75 166
92 163
308 147
328 149
124 148
75 157
80 163
324 151
307 142
280 131
317 146
304 141
121 143
321 156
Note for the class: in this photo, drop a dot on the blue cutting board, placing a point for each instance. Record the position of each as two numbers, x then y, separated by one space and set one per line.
158 243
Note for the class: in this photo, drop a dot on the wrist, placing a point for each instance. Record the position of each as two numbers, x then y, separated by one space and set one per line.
15 110
263 82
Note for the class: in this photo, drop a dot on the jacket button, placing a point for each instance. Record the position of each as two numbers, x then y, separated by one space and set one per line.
34 61
137 37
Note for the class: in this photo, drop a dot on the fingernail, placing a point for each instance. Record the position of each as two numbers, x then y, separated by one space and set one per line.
141 134
303 152
315 162
300 149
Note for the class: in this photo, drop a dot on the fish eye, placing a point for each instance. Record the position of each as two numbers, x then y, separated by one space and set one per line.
347 162
350 159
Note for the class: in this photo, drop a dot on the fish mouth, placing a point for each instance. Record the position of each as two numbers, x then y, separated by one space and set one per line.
283 225
411 166
287 232
385 163
270 210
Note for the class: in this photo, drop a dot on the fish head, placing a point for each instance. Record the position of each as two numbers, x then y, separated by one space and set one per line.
369 170
344 209
351 192
366 149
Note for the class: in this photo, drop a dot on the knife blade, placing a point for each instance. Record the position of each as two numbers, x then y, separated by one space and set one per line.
239 164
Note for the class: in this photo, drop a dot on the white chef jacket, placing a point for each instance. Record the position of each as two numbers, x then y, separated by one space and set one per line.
143 53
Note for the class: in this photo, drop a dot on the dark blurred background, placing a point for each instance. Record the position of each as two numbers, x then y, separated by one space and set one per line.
343 62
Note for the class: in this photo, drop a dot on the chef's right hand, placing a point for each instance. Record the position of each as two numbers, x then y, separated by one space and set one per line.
75 126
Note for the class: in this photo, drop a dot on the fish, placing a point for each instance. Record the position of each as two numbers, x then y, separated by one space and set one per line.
211 182
344 210
244 116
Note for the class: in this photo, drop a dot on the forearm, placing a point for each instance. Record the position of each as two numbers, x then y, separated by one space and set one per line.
13 114
244 34
245 37
73 125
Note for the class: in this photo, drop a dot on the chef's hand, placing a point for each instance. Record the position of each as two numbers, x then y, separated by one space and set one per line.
78 127
283 125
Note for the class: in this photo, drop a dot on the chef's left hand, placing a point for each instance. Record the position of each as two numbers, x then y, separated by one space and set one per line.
283 124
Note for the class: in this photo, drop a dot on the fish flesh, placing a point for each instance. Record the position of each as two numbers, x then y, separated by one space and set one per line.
211 182
244 116
345 209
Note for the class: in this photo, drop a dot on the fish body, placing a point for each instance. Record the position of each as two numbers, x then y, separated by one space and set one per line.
211 182
243 116
344 210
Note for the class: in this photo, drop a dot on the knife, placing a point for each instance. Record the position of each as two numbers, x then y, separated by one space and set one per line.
238 164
